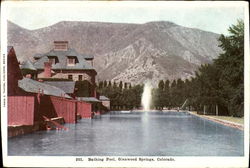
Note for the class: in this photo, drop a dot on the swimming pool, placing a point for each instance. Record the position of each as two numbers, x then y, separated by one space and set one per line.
134 134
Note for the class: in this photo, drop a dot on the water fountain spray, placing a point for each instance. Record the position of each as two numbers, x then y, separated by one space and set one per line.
146 96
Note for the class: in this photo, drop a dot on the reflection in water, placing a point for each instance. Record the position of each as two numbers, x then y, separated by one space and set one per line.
133 134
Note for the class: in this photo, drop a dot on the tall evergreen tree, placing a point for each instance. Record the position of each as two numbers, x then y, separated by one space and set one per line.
130 86
109 84
100 85
105 84
120 85
220 85
231 64
167 93
161 85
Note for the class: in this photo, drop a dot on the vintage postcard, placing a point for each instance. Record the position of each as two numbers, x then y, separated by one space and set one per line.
125 84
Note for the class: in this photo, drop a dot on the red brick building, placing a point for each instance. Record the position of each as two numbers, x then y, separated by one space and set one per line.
65 62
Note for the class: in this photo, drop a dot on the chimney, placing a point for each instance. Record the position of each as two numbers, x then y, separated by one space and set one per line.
60 45
47 69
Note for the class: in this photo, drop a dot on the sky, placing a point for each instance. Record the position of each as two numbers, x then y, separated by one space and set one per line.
206 16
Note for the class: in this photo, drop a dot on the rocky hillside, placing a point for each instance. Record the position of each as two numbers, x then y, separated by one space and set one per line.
129 52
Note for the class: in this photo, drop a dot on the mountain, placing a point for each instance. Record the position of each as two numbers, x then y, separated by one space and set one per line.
128 52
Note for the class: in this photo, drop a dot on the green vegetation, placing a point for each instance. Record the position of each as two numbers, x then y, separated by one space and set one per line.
239 120
122 96
219 85
231 119
83 89
170 95
33 73
222 82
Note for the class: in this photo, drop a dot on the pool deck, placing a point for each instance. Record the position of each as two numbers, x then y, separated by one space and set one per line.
221 121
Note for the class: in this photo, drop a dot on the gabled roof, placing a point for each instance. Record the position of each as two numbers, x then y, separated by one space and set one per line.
88 99
9 48
62 58
104 98
28 65
66 86
33 86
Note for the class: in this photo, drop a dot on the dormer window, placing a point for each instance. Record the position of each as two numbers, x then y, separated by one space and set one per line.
53 59
72 60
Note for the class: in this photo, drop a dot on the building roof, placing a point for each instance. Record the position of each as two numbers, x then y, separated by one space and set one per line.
9 48
88 57
88 99
28 65
66 86
32 86
104 98
82 64
36 56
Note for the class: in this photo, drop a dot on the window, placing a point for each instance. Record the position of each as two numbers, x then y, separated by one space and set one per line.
71 61
80 77
70 76
52 60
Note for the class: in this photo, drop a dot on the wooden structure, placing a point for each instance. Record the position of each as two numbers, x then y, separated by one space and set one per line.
84 109
21 110
31 103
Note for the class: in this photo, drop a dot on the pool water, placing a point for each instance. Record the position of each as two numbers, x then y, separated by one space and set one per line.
134 134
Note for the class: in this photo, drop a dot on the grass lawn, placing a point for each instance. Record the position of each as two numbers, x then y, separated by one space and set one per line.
232 119
227 118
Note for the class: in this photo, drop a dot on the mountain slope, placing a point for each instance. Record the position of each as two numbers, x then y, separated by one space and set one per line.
129 52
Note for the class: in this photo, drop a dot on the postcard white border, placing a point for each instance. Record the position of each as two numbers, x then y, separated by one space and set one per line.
3 71
65 161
